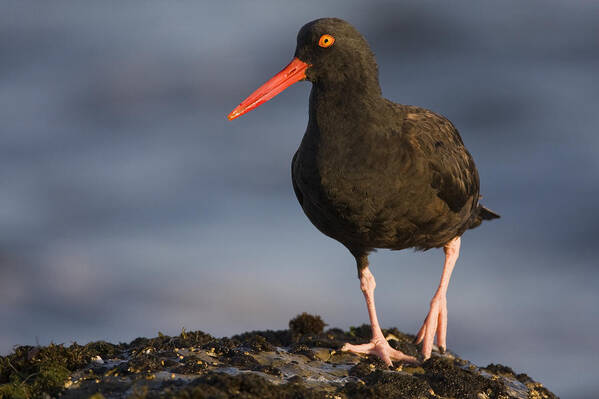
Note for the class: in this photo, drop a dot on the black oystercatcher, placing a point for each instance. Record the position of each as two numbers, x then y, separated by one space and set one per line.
374 174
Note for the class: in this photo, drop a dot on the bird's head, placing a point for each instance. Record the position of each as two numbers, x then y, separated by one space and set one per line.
329 52
335 52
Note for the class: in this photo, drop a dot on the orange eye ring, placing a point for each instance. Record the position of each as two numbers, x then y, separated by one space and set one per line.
326 41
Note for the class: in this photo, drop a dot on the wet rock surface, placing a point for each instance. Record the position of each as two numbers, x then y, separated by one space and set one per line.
302 362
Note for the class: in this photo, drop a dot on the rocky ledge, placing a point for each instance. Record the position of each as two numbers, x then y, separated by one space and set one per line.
302 362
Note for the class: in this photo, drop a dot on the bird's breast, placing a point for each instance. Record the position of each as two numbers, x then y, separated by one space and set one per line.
348 187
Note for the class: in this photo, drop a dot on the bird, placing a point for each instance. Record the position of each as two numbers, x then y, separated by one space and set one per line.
373 174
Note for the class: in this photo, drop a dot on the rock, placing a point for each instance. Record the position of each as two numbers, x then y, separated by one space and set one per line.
302 362
97 360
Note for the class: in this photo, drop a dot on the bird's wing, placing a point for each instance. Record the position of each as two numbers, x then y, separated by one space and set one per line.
298 193
450 166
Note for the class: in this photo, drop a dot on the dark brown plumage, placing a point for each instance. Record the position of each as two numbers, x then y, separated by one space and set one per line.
371 173
374 174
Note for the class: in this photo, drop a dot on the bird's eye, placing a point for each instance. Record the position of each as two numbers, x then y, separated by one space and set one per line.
326 41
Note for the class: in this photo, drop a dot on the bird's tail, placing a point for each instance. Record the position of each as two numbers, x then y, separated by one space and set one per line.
481 214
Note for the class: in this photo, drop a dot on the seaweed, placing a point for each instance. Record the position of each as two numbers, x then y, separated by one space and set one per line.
247 386
306 324
447 378
385 384
30 371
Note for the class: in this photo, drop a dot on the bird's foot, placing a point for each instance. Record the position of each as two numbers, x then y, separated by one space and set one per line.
381 349
434 324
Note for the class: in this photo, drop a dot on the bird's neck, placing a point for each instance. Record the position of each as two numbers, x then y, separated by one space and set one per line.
345 109
351 85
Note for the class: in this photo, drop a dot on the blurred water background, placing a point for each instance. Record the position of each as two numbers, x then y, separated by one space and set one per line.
130 205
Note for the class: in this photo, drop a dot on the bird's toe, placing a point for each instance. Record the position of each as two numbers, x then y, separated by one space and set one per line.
363 348
435 325
380 349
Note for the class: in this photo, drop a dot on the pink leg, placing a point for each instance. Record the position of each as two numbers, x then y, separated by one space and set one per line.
436 320
378 345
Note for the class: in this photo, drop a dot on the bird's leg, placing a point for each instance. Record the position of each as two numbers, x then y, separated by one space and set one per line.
378 345
436 320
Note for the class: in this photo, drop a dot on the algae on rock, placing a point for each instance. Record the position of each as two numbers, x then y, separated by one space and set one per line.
302 362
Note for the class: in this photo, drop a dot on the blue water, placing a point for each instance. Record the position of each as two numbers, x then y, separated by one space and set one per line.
130 205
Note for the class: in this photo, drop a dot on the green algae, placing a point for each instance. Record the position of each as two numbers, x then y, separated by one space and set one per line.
30 371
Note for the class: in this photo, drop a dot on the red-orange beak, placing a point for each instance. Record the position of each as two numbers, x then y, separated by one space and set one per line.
292 73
